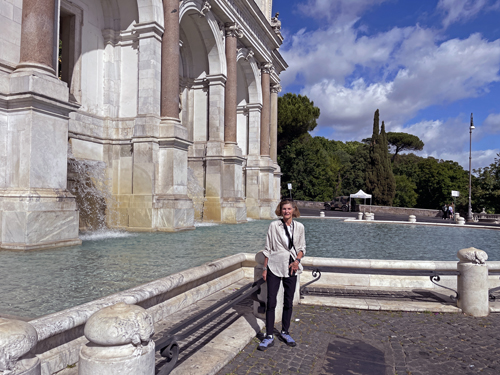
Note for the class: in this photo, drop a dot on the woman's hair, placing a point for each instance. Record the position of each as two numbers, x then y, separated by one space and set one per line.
296 212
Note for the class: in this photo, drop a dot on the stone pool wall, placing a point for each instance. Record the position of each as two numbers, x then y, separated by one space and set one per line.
60 335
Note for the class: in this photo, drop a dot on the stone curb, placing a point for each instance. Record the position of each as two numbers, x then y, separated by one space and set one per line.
378 305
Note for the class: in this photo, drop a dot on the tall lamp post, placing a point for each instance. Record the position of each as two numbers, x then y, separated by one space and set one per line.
469 214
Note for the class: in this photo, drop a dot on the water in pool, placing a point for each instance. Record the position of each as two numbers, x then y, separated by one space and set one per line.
42 282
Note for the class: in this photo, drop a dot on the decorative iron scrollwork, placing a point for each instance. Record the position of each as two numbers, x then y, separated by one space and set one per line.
316 273
435 279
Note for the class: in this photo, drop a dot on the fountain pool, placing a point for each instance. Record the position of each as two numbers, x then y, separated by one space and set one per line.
42 282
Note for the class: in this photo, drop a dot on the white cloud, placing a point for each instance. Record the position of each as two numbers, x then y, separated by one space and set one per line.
492 124
450 141
463 10
342 12
399 72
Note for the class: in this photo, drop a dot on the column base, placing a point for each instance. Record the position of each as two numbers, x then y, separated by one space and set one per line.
234 212
37 219
173 214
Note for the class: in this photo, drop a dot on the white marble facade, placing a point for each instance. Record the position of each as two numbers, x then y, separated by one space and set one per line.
102 98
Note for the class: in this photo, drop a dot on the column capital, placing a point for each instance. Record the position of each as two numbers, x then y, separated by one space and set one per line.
205 8
233 30
266 67
276 88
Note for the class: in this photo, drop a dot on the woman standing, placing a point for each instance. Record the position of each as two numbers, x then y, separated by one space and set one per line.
285 247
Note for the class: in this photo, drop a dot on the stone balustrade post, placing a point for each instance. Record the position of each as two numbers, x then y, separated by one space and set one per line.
120 342
412 219
17 339
472 282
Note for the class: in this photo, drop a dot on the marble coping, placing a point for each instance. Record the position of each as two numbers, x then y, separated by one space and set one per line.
385 264
61 321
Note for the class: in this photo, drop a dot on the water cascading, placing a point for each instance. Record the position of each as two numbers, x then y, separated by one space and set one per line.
197 194
89 183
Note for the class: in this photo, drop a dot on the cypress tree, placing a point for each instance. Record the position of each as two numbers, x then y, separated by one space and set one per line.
380 181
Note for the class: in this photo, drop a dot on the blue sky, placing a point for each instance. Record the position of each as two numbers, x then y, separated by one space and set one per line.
425 64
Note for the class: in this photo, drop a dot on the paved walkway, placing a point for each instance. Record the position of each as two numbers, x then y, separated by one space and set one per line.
359 342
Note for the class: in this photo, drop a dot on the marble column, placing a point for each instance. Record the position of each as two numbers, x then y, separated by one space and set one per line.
36 209
170 61
266 109
230 100
266 183
275 89
233 204
37 36
172 208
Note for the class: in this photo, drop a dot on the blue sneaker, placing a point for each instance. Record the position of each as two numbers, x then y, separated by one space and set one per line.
287 339
266 343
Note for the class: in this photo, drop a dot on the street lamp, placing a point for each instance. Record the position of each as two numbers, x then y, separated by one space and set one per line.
469 214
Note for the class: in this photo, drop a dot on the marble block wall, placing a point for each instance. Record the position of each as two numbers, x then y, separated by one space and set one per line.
36 210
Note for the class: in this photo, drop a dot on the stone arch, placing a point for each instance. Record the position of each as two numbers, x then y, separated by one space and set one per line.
111 14
249 65
150 11
210 34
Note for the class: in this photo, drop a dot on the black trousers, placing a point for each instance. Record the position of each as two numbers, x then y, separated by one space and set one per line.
273 285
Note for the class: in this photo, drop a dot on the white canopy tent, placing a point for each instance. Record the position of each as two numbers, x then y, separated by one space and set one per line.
361 194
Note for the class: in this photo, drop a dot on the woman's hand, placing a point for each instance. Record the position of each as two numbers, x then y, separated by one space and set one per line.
294 266
264 274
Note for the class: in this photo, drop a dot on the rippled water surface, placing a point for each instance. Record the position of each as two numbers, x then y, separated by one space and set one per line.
41 282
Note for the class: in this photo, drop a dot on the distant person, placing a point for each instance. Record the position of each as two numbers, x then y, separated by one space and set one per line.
445 211
285 248
450 211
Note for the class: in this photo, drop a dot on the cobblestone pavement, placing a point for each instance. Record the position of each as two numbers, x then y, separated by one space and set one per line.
350 342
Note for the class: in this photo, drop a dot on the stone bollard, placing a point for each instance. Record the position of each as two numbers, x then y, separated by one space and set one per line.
461 221
456 217
369 216
360 216
412 219
322 214
472 282
17 339
120 342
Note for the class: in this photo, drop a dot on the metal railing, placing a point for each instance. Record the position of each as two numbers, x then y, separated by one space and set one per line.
434 276
168 345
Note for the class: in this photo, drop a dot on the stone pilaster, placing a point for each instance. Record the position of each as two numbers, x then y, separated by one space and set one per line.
36 210
253 161
212 210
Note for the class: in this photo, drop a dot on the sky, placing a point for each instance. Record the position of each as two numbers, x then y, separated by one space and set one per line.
425 64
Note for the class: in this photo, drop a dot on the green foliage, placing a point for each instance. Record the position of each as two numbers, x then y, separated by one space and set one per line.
380 180
486 188
404 142
434 180
312 168
297 116
405 192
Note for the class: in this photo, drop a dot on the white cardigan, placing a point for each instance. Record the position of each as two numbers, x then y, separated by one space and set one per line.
277 246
